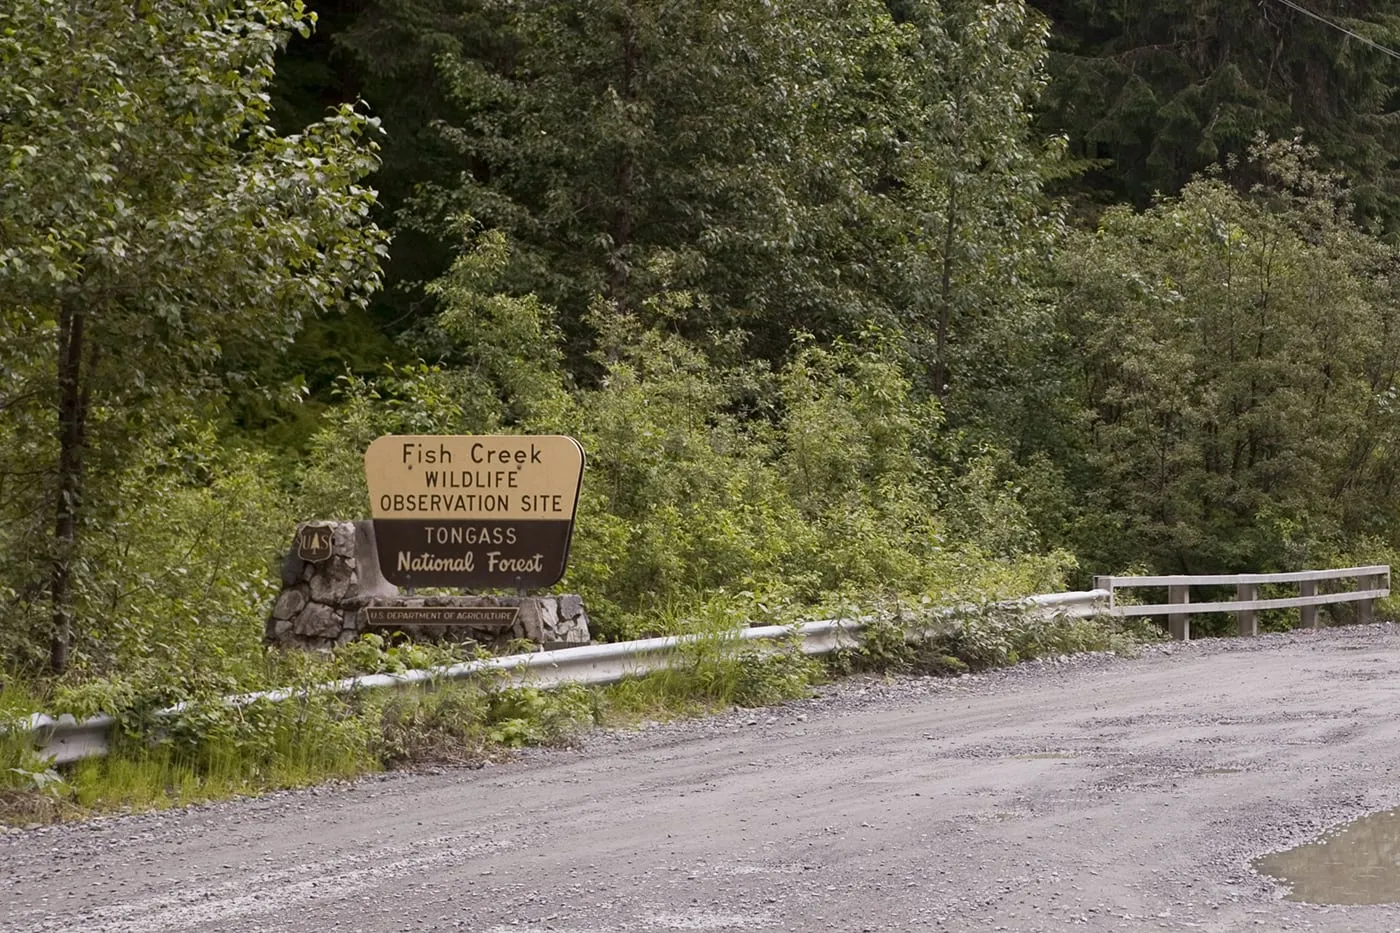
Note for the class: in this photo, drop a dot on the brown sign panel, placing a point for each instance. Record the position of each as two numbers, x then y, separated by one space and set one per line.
473 554
477 511
495 617
314 543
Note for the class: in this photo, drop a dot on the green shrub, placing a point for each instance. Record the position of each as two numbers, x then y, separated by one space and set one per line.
373 653
904 640
530 716
440 723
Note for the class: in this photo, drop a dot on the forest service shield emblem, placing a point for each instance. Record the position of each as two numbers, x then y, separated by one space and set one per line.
314 543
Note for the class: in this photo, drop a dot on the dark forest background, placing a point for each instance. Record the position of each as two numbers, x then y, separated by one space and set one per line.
844 300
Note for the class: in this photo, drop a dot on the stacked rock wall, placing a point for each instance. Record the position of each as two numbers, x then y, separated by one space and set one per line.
322 599
318 605
548 621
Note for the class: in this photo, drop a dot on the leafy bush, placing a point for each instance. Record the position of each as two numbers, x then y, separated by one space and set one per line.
530 716
1219 334
373 653
445 723
706 478
909 640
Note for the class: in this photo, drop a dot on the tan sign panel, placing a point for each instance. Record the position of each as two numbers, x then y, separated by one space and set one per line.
501 477
475 511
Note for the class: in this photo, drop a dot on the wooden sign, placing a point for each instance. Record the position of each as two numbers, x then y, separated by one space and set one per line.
473 511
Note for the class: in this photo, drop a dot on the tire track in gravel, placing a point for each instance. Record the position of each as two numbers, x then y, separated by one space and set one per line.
1095 794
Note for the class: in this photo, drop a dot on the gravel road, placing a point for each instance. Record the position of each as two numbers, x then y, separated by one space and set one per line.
1093 794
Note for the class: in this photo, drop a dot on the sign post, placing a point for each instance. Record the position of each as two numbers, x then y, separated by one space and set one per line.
473 511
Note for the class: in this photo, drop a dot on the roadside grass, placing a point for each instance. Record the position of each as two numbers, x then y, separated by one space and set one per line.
211 751
914 641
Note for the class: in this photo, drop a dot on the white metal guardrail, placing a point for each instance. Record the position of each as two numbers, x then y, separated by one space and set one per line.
64 739
1371 583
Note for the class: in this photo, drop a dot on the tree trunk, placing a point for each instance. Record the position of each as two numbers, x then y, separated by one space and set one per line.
945 295
625 178
73 395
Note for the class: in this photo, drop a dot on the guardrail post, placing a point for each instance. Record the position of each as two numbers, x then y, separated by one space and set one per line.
1307 615
1248 618
1105 583
1179 623
1365 609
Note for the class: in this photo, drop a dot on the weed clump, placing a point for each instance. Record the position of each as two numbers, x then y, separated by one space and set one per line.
954 643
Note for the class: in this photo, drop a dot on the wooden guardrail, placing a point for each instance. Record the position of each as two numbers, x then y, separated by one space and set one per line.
1372 583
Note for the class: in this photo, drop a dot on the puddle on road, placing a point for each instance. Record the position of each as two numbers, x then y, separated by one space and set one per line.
1358 863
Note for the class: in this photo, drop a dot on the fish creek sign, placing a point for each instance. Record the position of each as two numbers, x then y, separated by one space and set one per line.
473 511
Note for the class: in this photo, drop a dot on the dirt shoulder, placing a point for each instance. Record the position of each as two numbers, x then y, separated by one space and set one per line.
1098 794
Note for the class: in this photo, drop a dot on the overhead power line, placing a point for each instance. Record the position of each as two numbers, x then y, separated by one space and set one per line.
1340 28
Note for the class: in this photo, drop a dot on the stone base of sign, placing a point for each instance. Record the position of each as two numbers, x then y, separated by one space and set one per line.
321 604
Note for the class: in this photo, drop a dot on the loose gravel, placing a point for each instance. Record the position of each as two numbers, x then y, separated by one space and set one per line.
1092 792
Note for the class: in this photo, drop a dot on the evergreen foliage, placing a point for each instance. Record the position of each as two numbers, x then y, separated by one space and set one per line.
1151 92
788 270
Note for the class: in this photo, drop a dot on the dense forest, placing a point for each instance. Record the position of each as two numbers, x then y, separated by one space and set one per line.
923 299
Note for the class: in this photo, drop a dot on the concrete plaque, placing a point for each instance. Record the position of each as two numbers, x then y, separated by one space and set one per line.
475 511
478 616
